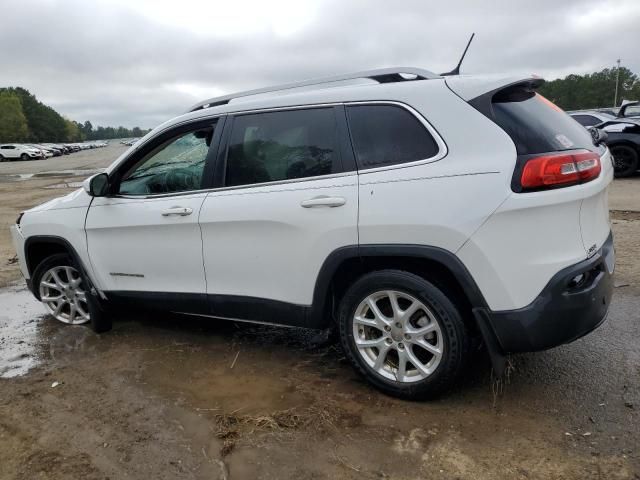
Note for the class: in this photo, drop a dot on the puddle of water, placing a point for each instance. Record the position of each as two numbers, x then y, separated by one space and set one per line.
19 320
65 185
53 174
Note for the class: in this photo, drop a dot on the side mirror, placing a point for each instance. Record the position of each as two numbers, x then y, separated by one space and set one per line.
597 135
97 186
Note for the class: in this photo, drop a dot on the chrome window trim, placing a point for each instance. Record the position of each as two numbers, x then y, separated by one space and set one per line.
442 148
442 152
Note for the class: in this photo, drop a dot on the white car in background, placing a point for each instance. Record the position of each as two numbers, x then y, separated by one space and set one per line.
14 151
46 153
590 118
413 213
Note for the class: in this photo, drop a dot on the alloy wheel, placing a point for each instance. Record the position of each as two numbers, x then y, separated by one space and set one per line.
398 336
62 295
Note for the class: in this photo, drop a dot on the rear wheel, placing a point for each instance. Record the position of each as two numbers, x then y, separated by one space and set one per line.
62 291
403 334
625 160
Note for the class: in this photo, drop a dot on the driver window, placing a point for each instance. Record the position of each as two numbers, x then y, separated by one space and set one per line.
175 166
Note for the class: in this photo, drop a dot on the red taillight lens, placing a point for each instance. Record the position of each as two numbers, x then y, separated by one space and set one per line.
561 169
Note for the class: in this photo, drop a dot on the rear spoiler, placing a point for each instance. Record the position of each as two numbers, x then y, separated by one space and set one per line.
483 103
469 87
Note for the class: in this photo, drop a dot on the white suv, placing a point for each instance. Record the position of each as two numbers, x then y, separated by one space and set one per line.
14 151
413 212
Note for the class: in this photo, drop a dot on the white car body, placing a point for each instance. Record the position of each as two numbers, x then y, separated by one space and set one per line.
255 243
11 151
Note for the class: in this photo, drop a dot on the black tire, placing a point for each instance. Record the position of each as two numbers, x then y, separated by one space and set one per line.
24 157
455 336
2 159
98 311
625 160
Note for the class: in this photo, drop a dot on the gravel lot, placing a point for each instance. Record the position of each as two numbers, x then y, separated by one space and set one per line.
177 397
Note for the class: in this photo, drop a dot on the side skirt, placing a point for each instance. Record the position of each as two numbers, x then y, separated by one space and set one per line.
223 307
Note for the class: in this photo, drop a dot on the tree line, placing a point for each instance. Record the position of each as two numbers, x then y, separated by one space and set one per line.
593 90
25 119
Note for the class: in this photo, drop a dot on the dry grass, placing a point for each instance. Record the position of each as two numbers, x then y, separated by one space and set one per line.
230 427
290 419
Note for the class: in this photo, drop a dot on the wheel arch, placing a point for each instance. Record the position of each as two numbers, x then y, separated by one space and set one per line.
435 264
39 247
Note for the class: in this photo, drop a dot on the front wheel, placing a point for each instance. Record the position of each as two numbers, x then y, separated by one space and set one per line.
625 160
403 334
62 291
24 157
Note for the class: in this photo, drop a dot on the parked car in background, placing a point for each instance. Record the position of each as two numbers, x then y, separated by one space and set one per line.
403 210
590 118
55 149
14 151
623 136
623 140
629 110
47 153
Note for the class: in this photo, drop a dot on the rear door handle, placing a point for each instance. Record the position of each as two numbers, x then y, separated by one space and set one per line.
323 201
178 211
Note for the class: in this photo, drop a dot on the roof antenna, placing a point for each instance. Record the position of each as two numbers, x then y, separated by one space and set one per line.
456 71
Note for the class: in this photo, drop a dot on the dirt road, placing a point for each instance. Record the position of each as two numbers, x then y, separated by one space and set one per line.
177 397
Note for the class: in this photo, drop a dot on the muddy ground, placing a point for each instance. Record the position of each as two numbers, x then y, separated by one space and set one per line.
177 397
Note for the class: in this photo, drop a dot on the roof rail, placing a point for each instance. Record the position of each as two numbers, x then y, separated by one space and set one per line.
382 75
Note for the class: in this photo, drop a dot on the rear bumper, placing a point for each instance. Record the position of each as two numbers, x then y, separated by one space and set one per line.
563 312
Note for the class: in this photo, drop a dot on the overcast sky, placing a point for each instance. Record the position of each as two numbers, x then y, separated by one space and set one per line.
140 62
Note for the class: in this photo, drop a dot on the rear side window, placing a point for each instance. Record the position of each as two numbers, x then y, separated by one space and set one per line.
388 135
535 124
275 146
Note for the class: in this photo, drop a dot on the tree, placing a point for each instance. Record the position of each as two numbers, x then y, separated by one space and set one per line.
73 132
593 90
87 129
13 123
45 124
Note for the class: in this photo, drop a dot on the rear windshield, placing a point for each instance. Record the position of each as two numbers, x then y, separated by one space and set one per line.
536 125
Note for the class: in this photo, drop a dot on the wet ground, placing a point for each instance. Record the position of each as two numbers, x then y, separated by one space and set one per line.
179 397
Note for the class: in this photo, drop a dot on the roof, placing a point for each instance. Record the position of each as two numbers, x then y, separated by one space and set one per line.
383 75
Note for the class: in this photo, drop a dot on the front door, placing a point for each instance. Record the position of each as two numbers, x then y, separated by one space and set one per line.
285 205
144 236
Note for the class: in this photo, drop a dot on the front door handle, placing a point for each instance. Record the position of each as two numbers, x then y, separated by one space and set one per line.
178 211
323 201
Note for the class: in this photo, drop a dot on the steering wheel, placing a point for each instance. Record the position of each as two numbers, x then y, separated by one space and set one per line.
181 179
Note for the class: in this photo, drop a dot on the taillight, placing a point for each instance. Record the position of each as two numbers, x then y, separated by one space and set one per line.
559 170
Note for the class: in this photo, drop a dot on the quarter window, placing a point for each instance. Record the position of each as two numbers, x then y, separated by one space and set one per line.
388 135
285 145
175 166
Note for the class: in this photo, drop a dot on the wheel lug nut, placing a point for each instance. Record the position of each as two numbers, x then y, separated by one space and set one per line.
361 331
387 328
398 324
401 346
389 341
407 336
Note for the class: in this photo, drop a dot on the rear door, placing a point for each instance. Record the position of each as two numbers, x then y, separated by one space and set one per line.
9 151
288 198
144 237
